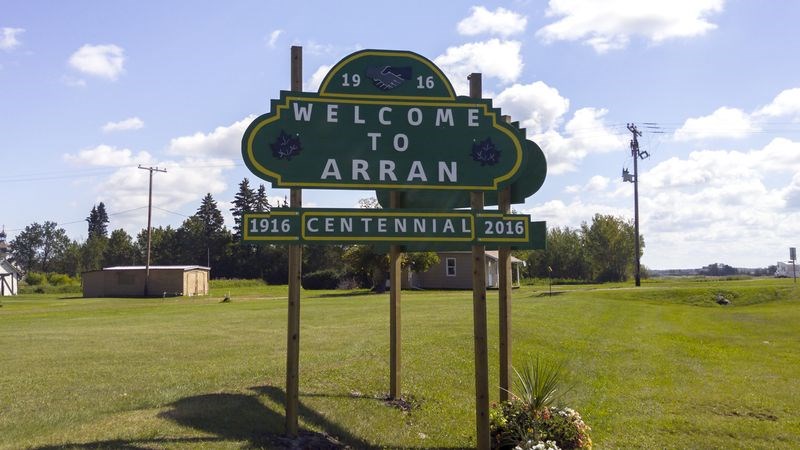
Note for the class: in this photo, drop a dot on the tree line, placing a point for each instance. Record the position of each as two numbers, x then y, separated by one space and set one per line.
202 239
599 251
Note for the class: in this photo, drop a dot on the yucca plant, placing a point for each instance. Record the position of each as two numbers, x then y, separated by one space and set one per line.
538 383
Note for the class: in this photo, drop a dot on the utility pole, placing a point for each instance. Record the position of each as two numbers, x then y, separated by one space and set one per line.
149 228
636 154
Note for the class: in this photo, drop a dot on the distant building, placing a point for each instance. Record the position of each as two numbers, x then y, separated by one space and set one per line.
783 270
4 250
454 271
9 274
128 281
9 278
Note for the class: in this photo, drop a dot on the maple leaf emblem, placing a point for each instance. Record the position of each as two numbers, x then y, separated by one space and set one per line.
485 152
286 146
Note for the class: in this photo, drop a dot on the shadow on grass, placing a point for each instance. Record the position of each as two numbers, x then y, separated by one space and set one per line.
344 294
242 418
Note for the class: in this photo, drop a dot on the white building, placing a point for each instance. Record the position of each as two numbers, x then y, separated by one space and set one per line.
784 270
9 278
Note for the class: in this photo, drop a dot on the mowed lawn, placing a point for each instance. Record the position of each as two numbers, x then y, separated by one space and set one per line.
660 366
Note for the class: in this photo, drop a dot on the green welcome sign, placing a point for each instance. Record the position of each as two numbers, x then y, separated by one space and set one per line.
384 120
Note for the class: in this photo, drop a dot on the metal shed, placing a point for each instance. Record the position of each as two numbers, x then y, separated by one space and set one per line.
128 281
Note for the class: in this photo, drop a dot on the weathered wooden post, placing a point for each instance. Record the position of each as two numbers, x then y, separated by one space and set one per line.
395 259
504 300
295 269
479 311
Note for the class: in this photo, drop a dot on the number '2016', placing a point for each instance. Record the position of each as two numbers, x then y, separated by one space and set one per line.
507 227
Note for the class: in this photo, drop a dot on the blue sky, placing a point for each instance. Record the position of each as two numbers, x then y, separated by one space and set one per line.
91 89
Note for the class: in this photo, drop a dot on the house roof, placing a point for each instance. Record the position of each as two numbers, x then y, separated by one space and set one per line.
9 267
491 254
184 268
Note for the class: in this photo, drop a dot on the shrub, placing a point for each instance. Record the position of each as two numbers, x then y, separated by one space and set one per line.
529 421
60 279
35 278
322 279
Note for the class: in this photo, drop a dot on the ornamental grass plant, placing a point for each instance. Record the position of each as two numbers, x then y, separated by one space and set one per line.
530 421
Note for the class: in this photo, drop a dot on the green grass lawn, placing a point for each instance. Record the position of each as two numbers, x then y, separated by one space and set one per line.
660 366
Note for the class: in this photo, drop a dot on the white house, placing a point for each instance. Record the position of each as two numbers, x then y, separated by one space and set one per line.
9 278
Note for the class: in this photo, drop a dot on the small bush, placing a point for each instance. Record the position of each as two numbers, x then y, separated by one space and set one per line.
322 279
60 279
35 278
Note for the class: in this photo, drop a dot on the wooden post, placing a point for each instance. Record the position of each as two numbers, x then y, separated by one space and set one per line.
295 269
504 263
395 259
479 313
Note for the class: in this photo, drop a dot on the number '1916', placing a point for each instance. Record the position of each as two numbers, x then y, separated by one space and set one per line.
267 225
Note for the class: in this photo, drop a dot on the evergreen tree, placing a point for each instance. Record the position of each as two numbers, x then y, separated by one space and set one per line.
211 217
102 220
243 201
98 220
215 235
261 202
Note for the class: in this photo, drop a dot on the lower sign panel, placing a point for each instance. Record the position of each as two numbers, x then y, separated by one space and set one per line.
423 229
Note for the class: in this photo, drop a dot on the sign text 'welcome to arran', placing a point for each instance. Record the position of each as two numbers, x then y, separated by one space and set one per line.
384 120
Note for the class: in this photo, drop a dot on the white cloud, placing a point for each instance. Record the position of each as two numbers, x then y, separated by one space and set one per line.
609 25
725 205
106 155
8 38
184 183
499 22
495 58
537 106
222 142
104 61
133 123
273 38
787 103
713 199
595 185
313 83
572 214
791 194
586 133
723 123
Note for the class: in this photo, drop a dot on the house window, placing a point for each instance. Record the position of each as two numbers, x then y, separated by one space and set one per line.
450 267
